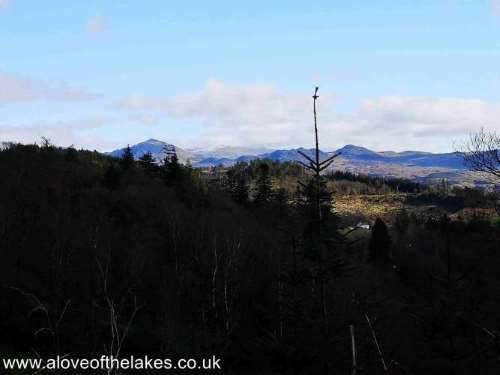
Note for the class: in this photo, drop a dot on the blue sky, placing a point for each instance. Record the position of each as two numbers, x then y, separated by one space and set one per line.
392 74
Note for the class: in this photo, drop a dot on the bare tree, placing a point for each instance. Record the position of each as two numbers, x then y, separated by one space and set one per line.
53 317
481 152
118 332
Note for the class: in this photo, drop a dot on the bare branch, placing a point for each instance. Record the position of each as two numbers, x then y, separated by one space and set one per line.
322 168
305 165
330 158
481 152
374 335
307 157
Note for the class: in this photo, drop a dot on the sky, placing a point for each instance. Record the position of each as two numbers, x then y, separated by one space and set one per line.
393 75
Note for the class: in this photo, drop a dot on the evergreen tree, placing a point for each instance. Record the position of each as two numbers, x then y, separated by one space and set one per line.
71 154
146 159
263 190
172 170
380 242
240 191
312 193
111 178
321 227
127 159
147 162
280 196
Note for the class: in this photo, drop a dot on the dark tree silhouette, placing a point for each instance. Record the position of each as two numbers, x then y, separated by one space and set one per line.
172 170
318 203
112 177
240 191
380 242
147 162
263 190
127 159
146 159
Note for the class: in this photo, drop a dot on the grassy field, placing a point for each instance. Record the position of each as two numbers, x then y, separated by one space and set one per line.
369 207
366 208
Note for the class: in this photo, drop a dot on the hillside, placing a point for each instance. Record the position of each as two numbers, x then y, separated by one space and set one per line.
97 244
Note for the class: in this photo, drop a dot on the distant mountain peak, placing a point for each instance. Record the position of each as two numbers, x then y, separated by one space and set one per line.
153 140
354 148
156 148
351 146
352 157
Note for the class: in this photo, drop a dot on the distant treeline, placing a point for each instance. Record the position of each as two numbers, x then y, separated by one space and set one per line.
293 169
290 169
393 183
287 174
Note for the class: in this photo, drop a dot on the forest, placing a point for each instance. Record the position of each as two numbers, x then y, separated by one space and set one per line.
101 255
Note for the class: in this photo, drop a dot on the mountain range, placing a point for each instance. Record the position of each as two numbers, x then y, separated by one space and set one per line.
416 165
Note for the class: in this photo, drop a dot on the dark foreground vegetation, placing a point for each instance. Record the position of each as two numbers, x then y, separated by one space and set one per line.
116 256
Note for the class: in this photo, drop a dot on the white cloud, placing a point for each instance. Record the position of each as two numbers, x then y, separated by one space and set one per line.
430 115
92 122
16 88
496 7
97 25
259 114
432 124
236 114
145 119
57 133
79 132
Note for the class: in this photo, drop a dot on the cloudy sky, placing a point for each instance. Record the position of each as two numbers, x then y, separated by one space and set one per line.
393 75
